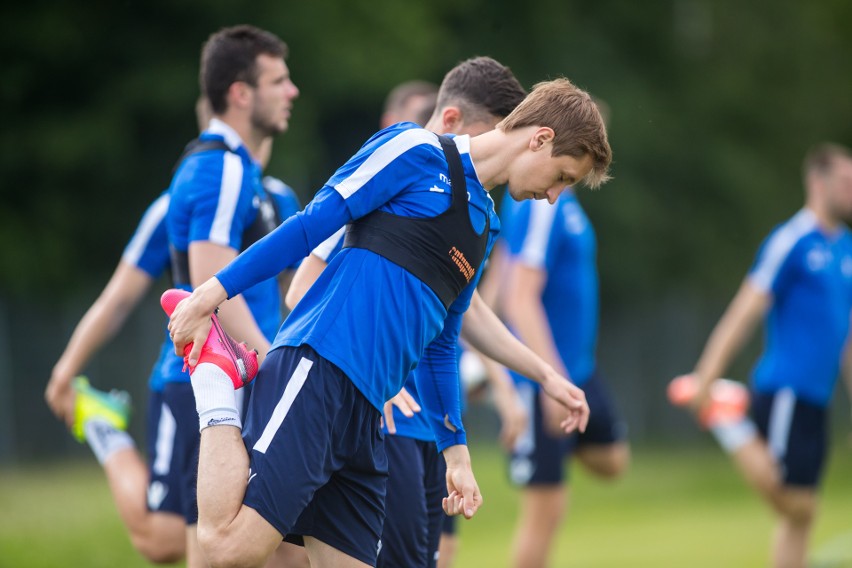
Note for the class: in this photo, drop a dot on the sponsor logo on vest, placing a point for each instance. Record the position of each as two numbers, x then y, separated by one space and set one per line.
464 266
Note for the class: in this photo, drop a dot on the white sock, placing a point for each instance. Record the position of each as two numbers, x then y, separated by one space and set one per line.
734 435
215 399
105 439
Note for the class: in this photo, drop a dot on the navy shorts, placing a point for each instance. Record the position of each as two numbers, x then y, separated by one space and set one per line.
317 456
539 458
173 441
414 512
796 432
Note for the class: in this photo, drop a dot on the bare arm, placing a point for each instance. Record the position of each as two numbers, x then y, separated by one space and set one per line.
510 407
205 259
729 336
104 318
484 331
305 276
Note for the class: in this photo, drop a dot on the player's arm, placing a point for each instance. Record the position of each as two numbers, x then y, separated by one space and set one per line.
731 333
303 279
102 320
513 414
484 332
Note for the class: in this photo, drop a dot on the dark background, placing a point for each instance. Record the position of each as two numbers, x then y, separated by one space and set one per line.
713 105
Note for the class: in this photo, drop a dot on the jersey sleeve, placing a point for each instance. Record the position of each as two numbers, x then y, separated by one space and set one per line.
218 200
531 240
148 249
437 380
329 248
774 262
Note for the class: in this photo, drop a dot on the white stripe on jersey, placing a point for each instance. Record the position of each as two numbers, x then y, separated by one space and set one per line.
384 155
166 430
229 194
149 223
779 246
324 249
534 249
276 186
294 385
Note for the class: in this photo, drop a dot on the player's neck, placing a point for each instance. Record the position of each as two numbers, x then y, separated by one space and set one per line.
826 221
250 137
494 152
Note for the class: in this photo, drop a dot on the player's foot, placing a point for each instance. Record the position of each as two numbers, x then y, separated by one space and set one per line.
235 359
90 403
728 399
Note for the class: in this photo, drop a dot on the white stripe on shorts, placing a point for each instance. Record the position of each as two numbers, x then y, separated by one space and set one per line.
166 430
283 406
525 444
780 420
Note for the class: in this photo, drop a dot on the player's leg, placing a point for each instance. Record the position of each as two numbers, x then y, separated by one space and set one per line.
405 530
318 467
435 484
785 463
603 448
448 546
537 466
102 419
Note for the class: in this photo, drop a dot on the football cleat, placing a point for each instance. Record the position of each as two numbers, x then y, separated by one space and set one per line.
728 399
90 403
235 359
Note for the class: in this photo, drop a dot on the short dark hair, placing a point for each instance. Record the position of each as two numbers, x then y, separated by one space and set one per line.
820 159
480 86
399 95
230 55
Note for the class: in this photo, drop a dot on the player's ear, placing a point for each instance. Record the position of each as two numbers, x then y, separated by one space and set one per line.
239 94
451 119
541 137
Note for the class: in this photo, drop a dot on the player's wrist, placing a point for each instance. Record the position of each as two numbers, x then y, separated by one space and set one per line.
457 456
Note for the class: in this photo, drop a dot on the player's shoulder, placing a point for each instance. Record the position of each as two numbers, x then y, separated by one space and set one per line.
277 187
402 138
786 235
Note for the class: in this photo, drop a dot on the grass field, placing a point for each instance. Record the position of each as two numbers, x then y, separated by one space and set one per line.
682 508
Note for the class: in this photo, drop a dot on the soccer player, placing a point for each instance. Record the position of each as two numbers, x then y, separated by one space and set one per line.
551 302
473 97
148 496
801 283
391 300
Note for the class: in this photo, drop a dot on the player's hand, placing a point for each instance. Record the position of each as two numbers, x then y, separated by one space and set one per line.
463 496
60 397
405 403
190 322
701 399
514 418
573 401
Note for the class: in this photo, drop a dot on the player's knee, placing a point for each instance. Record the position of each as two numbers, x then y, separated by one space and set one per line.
797 509
159 555
608 464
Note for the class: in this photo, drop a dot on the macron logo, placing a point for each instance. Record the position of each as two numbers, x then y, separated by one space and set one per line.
157 491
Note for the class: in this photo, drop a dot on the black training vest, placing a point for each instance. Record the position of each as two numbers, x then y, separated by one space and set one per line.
444 251
267 219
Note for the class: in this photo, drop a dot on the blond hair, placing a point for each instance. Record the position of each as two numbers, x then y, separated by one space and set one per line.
576 122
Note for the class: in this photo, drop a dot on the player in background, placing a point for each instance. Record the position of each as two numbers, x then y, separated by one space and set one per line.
552 303
473 97
146 489
801 286
349 344
411 101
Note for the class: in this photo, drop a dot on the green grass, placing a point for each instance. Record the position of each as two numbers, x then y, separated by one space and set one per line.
682 508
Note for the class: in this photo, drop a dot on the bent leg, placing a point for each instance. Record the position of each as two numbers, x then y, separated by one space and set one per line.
325 556
607 461
541 512
158 536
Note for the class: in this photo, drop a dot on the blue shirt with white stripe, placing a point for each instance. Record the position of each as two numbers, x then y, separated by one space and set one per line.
559 240
808 272
368 316
215 197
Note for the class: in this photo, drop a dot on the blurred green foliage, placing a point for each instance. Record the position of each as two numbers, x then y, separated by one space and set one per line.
713 105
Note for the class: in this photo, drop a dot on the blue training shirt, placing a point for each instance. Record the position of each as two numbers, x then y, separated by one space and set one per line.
366 315
559 239
809 274
148 250
215 197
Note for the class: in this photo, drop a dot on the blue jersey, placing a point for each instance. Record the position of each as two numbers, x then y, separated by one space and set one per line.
216 195
559 240
809 274
148 250
368 316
